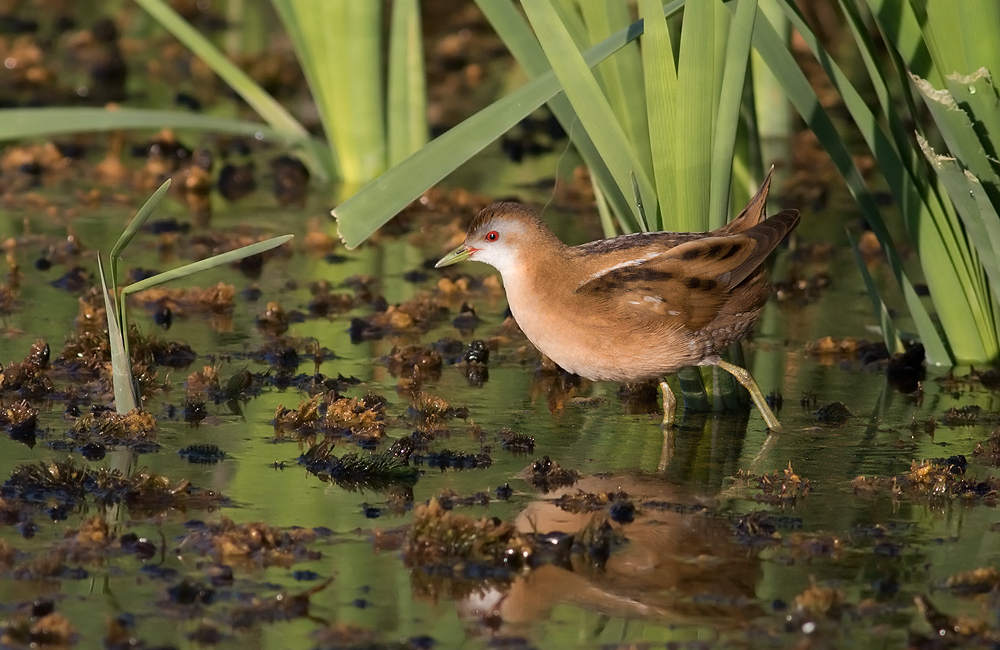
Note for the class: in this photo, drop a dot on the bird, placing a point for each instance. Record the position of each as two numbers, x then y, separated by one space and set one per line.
637 306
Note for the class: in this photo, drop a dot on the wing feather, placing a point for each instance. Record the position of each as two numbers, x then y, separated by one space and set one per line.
688 283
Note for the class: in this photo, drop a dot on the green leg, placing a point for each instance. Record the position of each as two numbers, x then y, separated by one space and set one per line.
743 376
669 404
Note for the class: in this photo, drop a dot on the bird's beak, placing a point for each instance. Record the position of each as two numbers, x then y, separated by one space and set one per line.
460 254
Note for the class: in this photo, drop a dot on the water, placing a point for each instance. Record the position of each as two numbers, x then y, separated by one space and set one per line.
687 574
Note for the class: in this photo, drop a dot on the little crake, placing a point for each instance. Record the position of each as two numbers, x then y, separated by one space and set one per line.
636 306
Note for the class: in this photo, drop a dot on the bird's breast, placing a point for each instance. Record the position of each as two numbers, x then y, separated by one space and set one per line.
584 340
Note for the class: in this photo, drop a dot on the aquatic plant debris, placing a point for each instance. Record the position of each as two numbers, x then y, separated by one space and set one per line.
777 487
252 544
377 471
439 537
359 418
546 475
67 483
136 426
934 479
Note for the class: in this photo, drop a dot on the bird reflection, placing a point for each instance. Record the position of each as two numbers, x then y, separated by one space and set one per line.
680 565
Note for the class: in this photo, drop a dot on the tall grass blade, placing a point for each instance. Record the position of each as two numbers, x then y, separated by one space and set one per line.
407 98
699 80
366 211
133 228
591 105
734 77
621 75
804 99
950 268
514 30
889 334
339 45
19 123
121 366
258 99
603 209
205 264
660 76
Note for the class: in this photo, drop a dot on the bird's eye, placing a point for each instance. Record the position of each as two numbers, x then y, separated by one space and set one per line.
492 235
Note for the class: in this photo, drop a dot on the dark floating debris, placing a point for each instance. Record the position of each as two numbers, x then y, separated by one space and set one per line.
965 415
282 607
978 581
776 488
253 544
291 181
359 418
450 459
134 428
358 471
905 371
74 280
440 537
29 378
517 443
430 412
988 450
935 479
467 320
546 475
202 454
34 625
756 527
20 420
66 484
477 352
833 414
236 181
414 360
449 499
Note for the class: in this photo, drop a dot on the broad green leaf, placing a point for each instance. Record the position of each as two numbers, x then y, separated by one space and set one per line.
205 264
973 206
977 95
955 126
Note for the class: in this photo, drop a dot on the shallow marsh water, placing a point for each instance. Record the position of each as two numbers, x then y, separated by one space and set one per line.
689 575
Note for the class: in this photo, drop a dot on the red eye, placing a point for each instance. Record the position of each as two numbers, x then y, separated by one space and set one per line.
492 235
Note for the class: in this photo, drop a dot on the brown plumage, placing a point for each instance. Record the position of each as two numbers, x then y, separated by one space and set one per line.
636 306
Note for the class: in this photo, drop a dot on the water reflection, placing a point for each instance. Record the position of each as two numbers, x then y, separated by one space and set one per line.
679 564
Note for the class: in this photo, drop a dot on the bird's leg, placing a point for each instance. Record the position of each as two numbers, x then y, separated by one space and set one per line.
669 409
669 404
743 376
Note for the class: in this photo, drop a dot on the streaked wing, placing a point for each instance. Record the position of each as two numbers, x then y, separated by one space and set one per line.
689 282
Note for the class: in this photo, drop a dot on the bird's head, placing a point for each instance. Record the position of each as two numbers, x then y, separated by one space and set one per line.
499 235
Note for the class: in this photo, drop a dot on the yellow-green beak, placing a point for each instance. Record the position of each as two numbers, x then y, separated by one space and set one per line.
460 254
